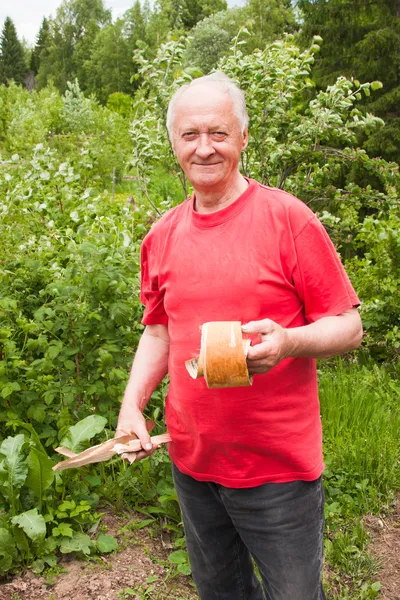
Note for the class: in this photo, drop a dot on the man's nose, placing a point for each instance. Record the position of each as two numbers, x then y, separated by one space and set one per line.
204 146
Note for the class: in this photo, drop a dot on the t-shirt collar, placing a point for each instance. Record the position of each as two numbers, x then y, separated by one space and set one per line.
206 220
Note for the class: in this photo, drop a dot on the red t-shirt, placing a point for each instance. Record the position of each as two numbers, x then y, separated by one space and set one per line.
264 256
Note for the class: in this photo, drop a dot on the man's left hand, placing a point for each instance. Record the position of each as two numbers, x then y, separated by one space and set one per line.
273 347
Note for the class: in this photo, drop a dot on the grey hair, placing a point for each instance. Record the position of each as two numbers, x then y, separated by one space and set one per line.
225 84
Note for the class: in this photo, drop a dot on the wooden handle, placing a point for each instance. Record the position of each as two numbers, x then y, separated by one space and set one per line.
222 359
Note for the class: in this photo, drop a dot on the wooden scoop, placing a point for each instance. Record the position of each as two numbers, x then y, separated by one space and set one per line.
126 444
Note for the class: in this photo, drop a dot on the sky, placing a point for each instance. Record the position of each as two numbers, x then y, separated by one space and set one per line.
28 14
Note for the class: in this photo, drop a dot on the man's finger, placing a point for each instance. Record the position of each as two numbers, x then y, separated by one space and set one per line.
143 454
258 352
261 369
264 326
143 435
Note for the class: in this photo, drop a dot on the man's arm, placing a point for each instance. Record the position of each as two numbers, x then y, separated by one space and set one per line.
149 367
326 337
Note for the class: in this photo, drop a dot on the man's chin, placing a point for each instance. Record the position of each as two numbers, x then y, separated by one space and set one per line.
205 180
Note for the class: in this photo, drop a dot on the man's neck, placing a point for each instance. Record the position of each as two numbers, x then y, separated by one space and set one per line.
211 201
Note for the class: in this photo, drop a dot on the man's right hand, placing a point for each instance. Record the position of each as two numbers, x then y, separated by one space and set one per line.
134 422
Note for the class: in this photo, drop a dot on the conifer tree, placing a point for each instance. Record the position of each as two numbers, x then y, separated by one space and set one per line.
361 40
12 60
40 45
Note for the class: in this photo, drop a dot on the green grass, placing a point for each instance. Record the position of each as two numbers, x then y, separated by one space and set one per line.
361 423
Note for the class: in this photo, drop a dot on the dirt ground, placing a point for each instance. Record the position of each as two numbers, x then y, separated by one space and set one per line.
139 572
385 548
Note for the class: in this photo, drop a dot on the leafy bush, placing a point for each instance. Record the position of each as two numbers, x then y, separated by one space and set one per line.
69 302
37 519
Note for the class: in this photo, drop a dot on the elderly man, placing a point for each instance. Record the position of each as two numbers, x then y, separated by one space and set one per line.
247 462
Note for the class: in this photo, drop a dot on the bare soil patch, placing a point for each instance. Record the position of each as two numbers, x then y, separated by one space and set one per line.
137 572
385 548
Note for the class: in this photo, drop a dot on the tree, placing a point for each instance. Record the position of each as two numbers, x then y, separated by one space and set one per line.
211 38
72 34
40 45
135 24
361 40
182 15
190 12
12 61
110 65
269 20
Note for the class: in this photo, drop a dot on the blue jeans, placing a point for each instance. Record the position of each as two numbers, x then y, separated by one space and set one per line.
279 525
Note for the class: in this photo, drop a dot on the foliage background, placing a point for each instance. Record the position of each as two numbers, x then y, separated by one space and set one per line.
86 167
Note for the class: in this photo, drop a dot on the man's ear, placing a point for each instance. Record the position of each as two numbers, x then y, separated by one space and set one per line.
245 138
171 139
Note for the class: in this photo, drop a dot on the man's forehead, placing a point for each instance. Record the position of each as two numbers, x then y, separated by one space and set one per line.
202 96
204 103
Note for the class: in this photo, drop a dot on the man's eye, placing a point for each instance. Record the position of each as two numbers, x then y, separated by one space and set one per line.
189 135
219 135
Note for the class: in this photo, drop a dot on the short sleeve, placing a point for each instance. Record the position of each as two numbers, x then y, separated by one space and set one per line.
319 276
150 294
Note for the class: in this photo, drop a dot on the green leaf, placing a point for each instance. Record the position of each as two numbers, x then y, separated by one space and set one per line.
21 541
376 85
34 436
179 557
83 431
106 543
13 469
63 529
144 523
38 413
7 550
9 388
93 480
80 542
32 523
184 569
40 474
37 566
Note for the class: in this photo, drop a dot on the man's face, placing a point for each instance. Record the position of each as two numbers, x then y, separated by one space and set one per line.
207 138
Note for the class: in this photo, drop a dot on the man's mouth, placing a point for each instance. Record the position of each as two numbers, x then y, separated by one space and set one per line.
207 164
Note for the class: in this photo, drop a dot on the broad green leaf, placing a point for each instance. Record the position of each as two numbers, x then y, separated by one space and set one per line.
179 557
93 480
7 550
106 543
40 474
80 542
37 566
13 469
83 431
21 541
32 523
